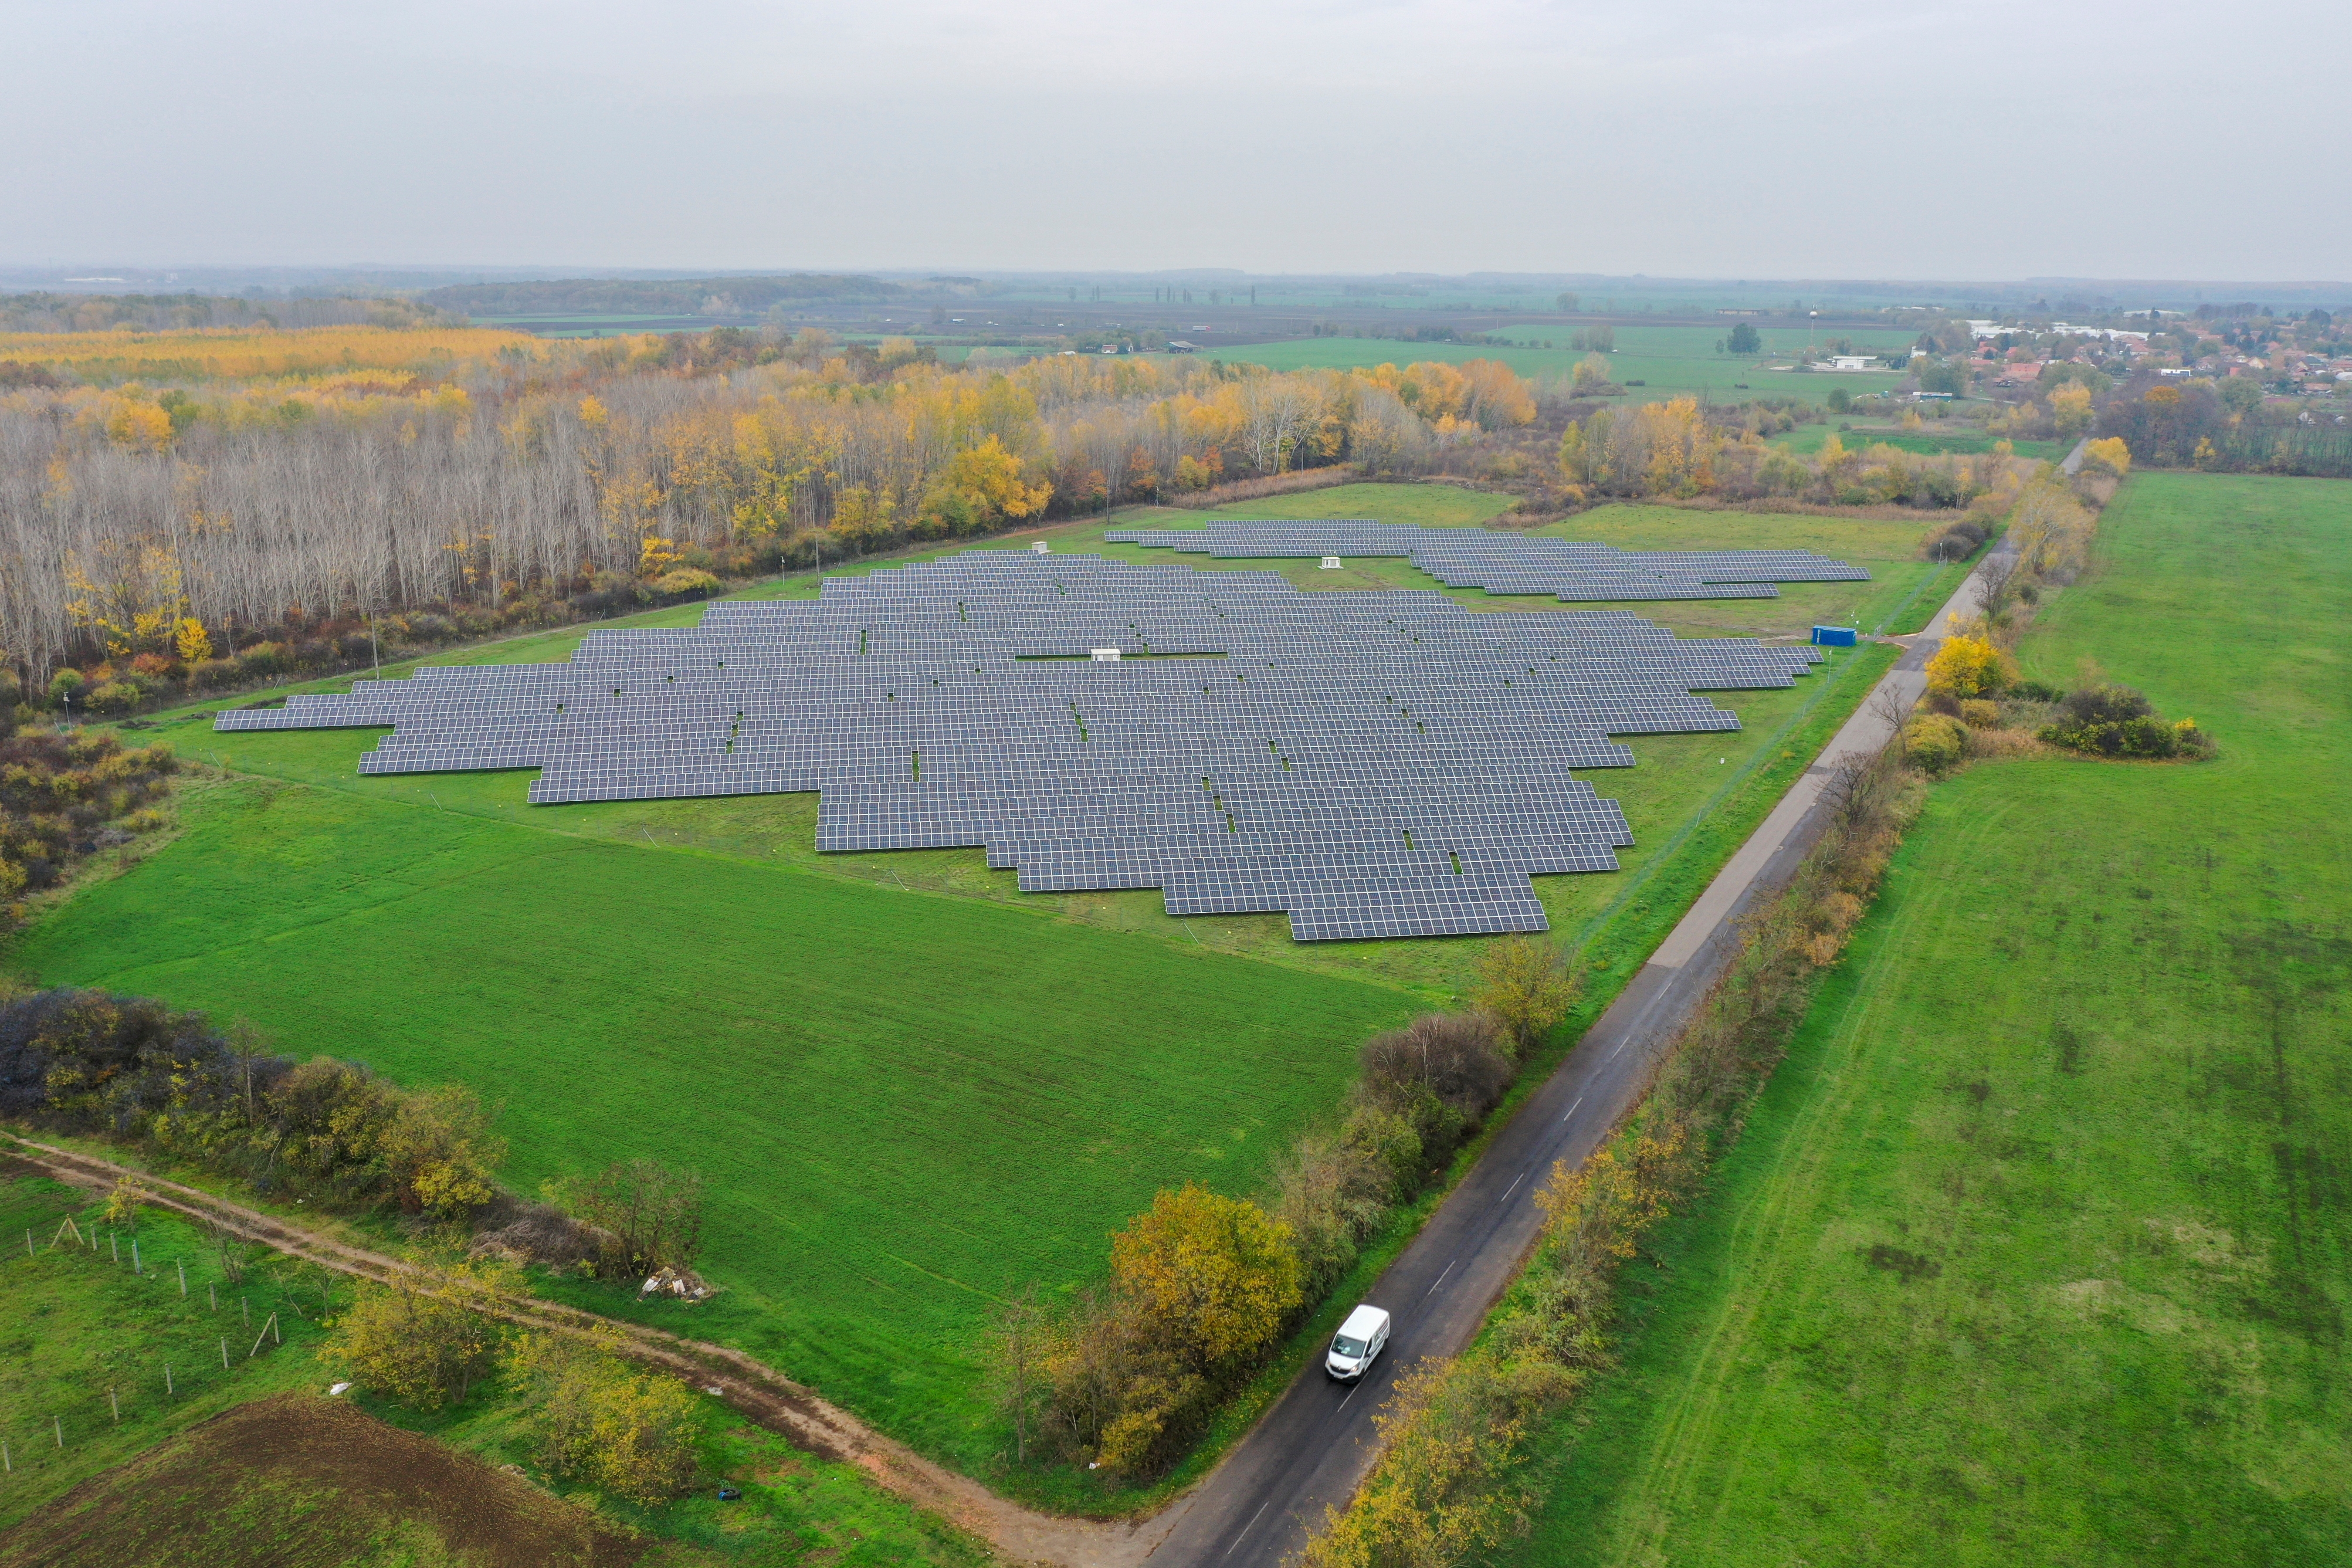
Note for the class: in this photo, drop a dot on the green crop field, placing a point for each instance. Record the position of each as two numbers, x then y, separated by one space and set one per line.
245 1466
2038 1247
1673 361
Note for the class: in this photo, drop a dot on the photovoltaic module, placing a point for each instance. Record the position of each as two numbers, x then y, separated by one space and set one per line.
1373 764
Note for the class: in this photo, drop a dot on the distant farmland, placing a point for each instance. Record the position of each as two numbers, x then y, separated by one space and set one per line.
1673 361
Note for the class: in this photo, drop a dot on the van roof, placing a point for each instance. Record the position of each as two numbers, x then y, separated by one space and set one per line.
1363 1322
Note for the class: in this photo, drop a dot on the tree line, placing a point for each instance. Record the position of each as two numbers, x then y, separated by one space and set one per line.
256 508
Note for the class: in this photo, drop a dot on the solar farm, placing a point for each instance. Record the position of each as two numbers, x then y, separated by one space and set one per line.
1378 764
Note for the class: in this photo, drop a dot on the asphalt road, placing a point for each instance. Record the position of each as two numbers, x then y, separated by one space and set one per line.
1311 1450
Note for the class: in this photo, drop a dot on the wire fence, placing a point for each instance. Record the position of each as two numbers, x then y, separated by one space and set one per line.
181 1318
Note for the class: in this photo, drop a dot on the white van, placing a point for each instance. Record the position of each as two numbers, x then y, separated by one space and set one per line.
1359 1340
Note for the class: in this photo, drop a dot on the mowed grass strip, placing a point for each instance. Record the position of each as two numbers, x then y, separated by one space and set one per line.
907 1104
2039 1248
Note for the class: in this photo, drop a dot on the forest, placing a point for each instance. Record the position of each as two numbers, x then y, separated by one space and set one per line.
175 517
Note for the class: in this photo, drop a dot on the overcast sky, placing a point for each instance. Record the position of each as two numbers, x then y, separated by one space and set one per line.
1947 139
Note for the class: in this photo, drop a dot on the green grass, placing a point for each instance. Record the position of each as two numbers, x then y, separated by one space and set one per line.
906 1103
1935 438
2038 1250
80 1325
689 979
1673 361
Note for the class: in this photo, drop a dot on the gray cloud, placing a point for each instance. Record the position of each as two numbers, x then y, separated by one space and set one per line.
1686 136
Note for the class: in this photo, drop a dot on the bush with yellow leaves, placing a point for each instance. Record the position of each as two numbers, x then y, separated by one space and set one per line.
602 1421
1969 665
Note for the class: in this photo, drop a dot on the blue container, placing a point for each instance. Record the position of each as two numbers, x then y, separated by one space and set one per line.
1834 636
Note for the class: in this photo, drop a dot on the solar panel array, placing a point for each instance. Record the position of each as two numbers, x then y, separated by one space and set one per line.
1375 764
1577 572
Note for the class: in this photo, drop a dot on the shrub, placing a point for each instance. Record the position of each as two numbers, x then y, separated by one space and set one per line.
1932 743
1968 664
130 1067
1440 1071
211 674
1977 713
2118 722
652 1215
2036 691
1956 541
261 661
114 696
601 1421
65 686
687 582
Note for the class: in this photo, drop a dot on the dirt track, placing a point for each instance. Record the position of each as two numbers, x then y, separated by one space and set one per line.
758 1392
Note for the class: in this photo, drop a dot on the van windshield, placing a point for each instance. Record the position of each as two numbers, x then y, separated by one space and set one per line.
1344 1346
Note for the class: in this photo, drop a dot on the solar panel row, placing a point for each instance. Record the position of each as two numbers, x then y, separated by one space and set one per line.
1375 764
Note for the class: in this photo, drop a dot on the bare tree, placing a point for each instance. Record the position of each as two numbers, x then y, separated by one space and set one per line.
1995 577
1855 786
1018 1346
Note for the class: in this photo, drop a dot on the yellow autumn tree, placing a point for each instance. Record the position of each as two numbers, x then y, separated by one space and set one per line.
424 1343
1495 395
982 483
1968 664
600 1420
440 1152
192 640
2113 453
1525 987
138 427
1211 1278
2070 409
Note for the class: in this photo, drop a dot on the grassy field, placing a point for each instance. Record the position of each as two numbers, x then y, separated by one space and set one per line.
247 1466
1672 361
1937 438
689 979
2039 1248
906 1103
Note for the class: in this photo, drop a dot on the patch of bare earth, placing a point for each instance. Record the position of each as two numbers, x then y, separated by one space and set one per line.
302 1481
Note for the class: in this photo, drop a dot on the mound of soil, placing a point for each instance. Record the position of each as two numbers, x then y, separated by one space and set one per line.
302 1481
